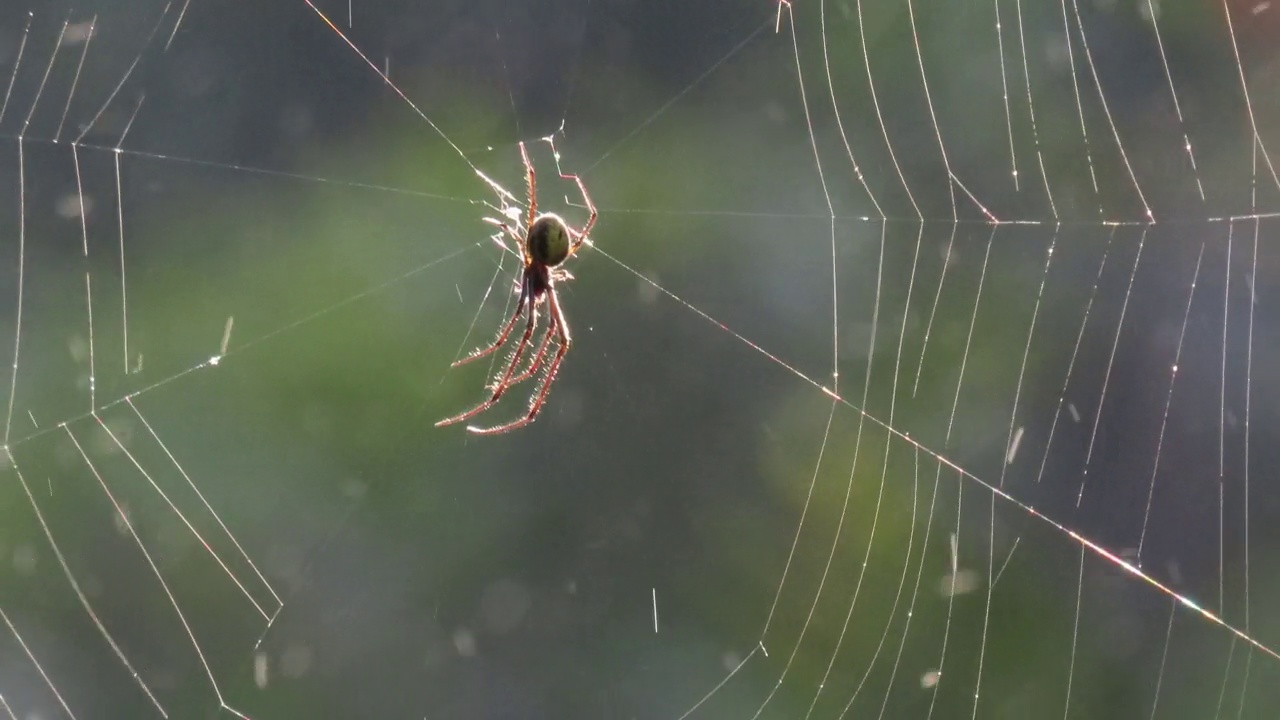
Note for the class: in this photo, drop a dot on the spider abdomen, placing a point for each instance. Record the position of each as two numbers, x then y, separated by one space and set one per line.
548 240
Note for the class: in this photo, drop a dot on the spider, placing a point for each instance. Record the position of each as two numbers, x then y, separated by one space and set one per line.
543 242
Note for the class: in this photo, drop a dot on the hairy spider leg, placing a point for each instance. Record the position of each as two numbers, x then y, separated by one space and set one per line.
557 275
504 382
531 183
540 395
516 233
580 235
520 251
503 334
536 361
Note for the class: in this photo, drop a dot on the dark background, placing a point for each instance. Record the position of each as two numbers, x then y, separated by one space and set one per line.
268 174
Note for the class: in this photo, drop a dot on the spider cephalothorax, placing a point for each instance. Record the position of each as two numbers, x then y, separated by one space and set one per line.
543 243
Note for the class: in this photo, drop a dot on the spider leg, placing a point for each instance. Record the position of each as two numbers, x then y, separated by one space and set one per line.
580 236
505 381
540 395
531 182
536 361
503 334
515 235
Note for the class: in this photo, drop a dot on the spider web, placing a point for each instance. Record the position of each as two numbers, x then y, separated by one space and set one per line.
922 361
